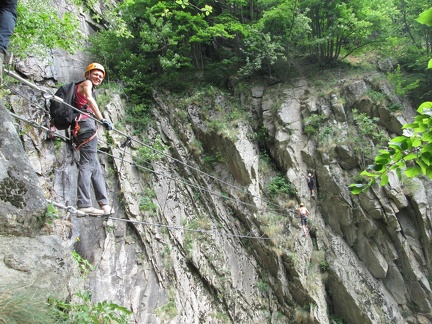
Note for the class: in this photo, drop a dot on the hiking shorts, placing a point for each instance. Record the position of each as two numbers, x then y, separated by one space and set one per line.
303 220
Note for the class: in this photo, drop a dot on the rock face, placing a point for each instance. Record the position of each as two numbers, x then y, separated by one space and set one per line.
195 237
23 204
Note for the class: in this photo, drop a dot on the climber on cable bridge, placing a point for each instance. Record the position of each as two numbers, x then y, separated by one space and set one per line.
85 136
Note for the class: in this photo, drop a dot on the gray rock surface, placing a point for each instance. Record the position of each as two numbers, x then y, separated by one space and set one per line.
195 238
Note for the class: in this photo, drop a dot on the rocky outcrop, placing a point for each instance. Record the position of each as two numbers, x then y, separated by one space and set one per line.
196 237
23 205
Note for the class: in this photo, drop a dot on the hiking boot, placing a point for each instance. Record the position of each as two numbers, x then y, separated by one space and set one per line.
91 211
108 210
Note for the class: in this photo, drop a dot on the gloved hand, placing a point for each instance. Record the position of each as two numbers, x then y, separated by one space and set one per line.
107 124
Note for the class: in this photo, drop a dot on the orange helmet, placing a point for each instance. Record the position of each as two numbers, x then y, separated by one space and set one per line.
94 66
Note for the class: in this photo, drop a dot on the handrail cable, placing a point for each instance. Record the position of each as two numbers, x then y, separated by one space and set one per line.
107 217
38 126
58 99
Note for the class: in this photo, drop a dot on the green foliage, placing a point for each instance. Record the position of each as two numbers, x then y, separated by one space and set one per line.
376 96
262 51
399 82
57 144
324 265
313 123
393 107
169 309
408 154
147 203
165 36
212 160
262 137
263 286
51 214
84 265
195 226
175 44
425 17
345 26
279 185
218 73
178 81
149 153
106 92
40 27
367 129
221 118
24 304
138 116
88 312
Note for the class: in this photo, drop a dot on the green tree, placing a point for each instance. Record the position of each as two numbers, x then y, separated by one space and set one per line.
418 35
166 36
40 27
262 51
343 27
410 153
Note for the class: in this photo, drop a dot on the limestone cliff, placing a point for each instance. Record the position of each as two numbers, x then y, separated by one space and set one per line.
196 237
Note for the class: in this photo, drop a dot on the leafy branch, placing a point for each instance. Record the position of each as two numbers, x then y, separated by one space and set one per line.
410 153
90 312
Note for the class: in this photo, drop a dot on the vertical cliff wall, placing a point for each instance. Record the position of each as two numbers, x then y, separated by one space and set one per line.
196 237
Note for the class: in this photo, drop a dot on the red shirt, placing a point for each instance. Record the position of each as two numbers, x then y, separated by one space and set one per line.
81 101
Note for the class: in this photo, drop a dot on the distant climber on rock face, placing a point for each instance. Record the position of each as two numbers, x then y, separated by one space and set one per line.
310 182
85 136
303 213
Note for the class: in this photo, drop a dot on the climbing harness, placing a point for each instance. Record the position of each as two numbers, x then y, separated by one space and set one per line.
75 132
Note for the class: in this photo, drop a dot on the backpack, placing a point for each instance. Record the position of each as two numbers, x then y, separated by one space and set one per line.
62 114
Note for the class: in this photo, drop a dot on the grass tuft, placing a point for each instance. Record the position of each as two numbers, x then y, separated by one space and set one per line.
24 304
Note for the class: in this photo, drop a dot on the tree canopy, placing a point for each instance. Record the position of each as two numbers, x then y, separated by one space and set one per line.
41 27
149 42
237 38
